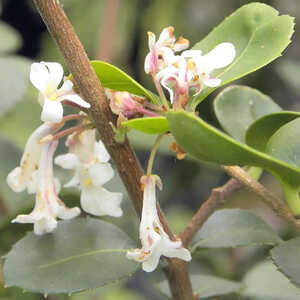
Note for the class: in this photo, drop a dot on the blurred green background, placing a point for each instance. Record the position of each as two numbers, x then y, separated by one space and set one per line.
115 31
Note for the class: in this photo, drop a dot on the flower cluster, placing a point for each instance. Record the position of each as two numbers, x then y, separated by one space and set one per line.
87 157
181 75
189 71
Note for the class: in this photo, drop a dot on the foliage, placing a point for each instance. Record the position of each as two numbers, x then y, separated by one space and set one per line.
91 252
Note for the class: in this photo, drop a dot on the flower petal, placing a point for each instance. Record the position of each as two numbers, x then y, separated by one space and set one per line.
151 263
68 161
168 55
151 40
101 173
67 213
181 253
166 38
192 54
39 76
221 56
14 180
212 82
75 99
181 44
100 202
56 72
101 153
52 111
147 64
44 225
66 87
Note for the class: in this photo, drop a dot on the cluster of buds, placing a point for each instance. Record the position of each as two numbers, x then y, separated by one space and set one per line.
87 157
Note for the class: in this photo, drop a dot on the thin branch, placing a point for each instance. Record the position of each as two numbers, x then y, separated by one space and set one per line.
271 200
215 200
90 87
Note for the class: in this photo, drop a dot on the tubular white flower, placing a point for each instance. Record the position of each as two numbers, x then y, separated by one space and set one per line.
175 79
201 66
162 51
89 159
47 206
23 176
46 77
155 242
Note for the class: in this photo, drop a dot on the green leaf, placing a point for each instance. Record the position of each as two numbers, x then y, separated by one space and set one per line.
286 256
260 131
115 79
153 125
234 228
259 36
206 286
236 107
11 39
14 76
265 282
206 143
90 252
284 144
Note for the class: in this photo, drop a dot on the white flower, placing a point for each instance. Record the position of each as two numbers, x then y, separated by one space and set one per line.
46 77
155 242
47 206
162 51
24 176
89 159
201 66
175 79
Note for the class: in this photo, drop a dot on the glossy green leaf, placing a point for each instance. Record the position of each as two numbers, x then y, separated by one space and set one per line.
206 143
236 107
206 286
14 79
286 256
284 144
80 254
265 282
260 131
234 228
10 39
259 36
153 125
115 79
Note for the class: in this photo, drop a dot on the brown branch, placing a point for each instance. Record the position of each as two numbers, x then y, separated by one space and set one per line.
90 87
215 199
268 198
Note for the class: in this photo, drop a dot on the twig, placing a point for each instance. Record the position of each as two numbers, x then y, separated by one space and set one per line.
90 87
271 200
215 199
